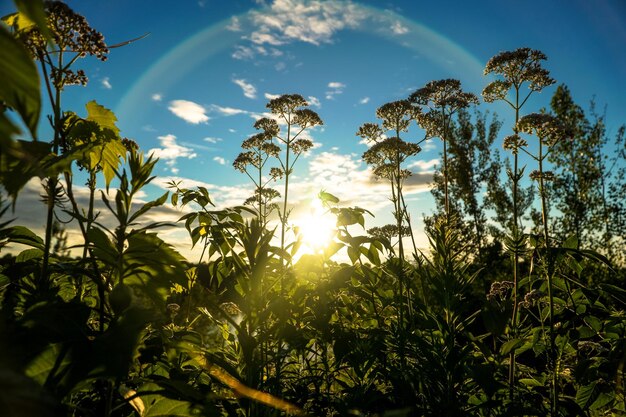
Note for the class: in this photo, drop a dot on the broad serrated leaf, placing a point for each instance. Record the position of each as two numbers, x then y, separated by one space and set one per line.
110 155
103 116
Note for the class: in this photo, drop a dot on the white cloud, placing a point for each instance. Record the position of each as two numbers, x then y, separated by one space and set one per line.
248 89
157 97
231 130
243 52
364 100
106 83
235 24
398 28
189 111
335 88
429 145
271 96
424 165
212 140
170 151
312 22
314 101
220 160
226 111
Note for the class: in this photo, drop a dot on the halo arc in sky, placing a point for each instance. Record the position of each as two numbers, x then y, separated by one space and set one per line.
193 51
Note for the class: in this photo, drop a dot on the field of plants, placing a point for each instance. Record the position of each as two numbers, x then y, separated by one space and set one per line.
516 309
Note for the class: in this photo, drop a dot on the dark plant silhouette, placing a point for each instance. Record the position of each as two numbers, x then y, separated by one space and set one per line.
439 101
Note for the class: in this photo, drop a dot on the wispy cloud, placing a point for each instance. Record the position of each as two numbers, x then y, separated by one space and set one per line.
170 151
249 52
314 101
248 89
219 160
226 111
364 100
243 52
398 28
335 88
106 83
189 111
212 140
424 165
271 96
235 24
312 22
157 97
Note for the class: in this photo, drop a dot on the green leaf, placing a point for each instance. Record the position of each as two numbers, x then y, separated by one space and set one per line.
20 81
24 236
327 197
103 116
152 266
158 405
35 12
101 246
510 345
531 382
585 394
603 399
158 202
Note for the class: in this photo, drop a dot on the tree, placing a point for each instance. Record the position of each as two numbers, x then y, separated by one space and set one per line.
471 164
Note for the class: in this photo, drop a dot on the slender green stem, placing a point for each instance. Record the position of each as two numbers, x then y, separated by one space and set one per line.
549 260
515 232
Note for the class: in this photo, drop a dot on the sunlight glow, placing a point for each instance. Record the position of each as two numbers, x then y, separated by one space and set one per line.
316 228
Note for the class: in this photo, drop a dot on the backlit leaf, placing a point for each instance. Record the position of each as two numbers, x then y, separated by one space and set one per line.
20 81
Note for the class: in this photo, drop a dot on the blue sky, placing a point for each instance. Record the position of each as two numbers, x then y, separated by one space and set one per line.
191 90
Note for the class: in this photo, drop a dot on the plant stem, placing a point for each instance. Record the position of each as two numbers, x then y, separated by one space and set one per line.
546 236
515 232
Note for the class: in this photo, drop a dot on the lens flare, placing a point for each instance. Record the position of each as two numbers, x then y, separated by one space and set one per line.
316 228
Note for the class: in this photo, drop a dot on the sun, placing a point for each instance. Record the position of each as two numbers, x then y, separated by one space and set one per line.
316 228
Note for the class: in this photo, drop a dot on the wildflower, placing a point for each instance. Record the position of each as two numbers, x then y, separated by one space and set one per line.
516 67
371 132
530 299
499 290
545 126
513 143
71 33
